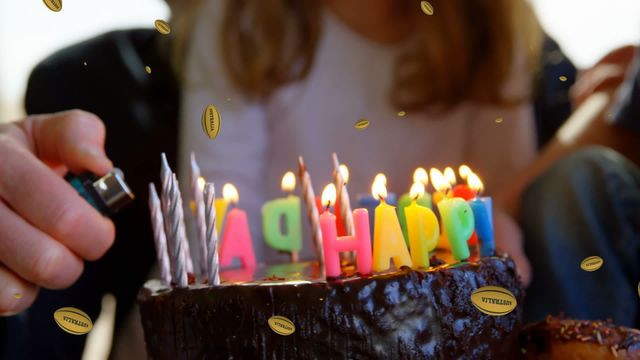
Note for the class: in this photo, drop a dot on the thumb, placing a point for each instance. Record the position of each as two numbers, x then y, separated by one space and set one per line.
73 138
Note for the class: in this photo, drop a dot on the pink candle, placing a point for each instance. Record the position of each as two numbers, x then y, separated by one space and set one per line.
236 238
333 245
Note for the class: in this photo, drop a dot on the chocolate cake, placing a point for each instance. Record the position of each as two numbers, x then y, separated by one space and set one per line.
398 314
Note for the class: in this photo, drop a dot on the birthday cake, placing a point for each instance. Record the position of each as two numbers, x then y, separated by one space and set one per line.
395 295
403 314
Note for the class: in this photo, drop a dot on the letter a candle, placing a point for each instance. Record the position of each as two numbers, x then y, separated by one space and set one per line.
422 228
388 241
236 238
287 209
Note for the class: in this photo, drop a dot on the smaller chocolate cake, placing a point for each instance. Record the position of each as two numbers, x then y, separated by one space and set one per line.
567 339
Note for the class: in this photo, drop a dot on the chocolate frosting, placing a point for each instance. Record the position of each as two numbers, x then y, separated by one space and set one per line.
400 314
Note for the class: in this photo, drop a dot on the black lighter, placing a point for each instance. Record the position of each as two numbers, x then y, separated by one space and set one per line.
107 194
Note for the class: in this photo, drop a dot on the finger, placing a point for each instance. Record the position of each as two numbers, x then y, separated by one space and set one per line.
35 256
45 200
15 294
74 138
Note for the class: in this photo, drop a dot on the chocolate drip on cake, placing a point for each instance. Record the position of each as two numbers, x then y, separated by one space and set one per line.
402 314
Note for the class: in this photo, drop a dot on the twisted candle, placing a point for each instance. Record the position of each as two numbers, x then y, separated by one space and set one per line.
343 195
182 229
312 210
196 192
173 212
211 234
159 235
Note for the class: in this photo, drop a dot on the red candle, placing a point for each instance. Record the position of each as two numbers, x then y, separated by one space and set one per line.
236 238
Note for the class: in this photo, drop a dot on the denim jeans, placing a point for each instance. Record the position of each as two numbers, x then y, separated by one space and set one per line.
587 204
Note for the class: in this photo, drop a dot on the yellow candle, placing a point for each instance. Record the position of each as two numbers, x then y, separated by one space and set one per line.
442 186
221 210
422 228
388 242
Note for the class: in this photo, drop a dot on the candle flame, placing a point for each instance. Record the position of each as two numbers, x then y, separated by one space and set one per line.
288 182
380 177
201 183
438 180
379 190
450 175
329 195
420 176
344 171
464 171
230 193
475 183
417 190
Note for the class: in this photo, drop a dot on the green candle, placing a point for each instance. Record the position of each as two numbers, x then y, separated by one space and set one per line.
284 211
458 224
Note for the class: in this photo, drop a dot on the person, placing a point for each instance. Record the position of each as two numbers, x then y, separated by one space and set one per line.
290 78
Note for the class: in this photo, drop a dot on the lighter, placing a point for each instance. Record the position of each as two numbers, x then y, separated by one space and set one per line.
107 194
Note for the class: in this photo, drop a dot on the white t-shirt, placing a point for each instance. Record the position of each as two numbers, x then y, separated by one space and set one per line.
351 79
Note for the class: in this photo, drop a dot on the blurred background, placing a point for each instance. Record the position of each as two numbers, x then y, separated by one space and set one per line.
585 29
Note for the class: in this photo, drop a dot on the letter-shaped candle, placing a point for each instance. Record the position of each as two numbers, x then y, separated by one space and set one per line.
333 245
458 224
287 209
419 176
388 242
483 215
236 238
423 228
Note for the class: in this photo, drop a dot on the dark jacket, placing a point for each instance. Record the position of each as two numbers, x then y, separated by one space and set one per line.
140 112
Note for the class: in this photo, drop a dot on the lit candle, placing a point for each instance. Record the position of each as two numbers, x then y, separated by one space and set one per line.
312 211
287 209
483 215
159 235
213 265
369 202
450 175
457 218
343 203
236 238
197 187
463 190
388 242
221 213
423 228
440 184
419 176
360 242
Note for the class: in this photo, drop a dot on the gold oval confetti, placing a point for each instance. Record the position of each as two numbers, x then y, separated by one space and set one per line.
499 120
401 113
426 7
211 121
147 69
163 27
592 263
53 5
73 321
281 325
17 296
494 300
562 78
361 124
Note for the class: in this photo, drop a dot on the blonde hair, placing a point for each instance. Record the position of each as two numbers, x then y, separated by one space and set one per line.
466 51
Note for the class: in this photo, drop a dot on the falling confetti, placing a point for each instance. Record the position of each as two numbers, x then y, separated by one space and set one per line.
84 63
361 124
401 113
211 121
17 296
563 78
72 320
53 5
163 27
426 7
147 69
592 263
499 120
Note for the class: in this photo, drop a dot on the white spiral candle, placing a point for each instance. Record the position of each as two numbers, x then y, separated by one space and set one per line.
160 238
196 195
312 210
211 234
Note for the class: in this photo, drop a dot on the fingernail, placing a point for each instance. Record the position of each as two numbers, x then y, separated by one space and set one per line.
92 151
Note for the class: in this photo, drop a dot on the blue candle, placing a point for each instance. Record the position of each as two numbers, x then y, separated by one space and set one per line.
483 215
